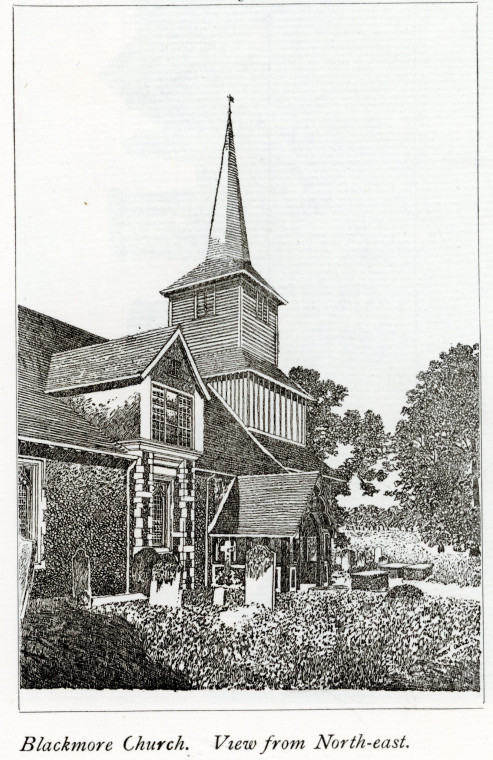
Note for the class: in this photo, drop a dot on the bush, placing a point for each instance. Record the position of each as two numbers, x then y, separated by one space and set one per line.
316 641
405 593
454 568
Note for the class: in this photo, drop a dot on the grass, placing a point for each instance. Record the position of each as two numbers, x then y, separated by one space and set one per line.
318 641
66 647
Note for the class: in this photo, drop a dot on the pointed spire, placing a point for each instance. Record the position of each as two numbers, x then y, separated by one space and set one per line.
227 234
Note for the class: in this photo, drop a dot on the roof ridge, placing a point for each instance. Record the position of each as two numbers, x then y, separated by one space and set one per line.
112 341
20 307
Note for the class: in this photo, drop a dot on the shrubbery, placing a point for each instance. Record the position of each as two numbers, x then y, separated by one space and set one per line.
407 547
456 568
317 641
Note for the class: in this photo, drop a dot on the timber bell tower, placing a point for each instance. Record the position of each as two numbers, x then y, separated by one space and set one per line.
229 316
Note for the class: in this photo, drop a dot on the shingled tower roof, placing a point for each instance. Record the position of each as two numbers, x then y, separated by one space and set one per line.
227 249
227 234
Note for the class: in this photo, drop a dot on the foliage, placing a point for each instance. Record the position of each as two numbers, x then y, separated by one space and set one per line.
437 450
370 445
87 510
258 560
397 545
317 641
456 568
326 430
322 424
118 421
369 517
166 569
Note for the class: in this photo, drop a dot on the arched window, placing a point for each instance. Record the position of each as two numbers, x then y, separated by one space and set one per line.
160 515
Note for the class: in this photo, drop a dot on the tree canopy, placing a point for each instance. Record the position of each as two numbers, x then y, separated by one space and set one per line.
327 429
436 446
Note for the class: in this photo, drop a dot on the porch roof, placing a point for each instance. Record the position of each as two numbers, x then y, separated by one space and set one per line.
265 505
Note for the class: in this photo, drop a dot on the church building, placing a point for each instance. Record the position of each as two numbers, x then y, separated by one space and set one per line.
186 439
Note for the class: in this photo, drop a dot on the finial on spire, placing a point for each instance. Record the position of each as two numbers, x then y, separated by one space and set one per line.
231 100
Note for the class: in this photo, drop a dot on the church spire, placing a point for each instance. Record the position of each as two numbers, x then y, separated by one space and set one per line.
227 234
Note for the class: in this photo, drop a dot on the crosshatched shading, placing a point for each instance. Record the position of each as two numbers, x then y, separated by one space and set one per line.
180 527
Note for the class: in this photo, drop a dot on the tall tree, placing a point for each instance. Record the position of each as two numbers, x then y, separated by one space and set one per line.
322 423
326 430
437 449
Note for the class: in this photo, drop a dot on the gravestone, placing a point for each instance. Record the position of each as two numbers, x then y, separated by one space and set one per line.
218 597
260 573
378 554
345 561
142 565
81 577
165 585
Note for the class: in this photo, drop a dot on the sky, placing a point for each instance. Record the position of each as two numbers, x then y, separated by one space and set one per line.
355 134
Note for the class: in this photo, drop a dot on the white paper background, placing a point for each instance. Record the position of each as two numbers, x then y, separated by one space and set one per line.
399 284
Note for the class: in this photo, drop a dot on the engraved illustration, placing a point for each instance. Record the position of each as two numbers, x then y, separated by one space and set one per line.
186 508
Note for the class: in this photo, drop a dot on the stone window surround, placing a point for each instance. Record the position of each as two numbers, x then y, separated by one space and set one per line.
39 504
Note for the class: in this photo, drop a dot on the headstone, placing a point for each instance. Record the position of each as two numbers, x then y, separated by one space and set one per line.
165 588
260 573
81 577
345 561
218 598
378 554
142 570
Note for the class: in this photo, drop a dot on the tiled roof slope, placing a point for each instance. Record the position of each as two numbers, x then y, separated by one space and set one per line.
106 362
42 417
267 505
228 447
295 457
239 360
215 268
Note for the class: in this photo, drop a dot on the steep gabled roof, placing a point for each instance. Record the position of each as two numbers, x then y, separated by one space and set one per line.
120 360
265 505
229 447
40 417
295 457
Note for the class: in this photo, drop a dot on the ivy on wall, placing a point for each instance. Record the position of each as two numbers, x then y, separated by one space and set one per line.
120 422
86 509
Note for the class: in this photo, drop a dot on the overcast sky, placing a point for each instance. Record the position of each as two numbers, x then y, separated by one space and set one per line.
355 131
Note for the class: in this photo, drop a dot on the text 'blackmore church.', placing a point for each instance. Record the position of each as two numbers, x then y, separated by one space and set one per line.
186 439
